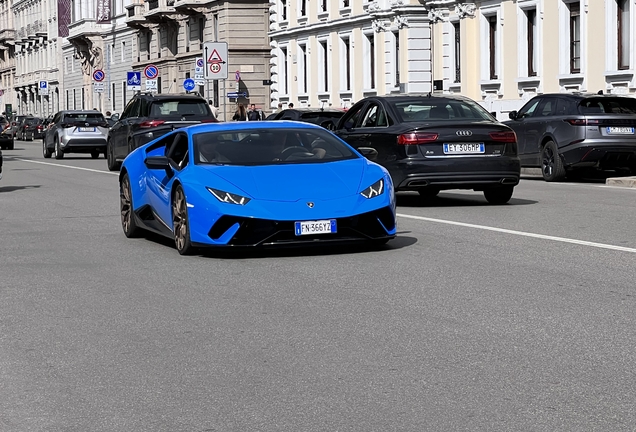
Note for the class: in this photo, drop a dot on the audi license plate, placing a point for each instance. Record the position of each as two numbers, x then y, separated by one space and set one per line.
464 148
316 227
613 130
86 129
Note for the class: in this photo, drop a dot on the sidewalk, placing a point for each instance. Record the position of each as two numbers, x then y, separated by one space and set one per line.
628 182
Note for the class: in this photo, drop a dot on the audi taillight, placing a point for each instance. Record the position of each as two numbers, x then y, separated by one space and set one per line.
504 137
582 122
417 138
151 123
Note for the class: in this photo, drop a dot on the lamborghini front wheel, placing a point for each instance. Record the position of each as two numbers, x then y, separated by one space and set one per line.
180 223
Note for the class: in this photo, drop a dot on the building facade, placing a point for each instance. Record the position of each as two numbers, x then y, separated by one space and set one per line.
98 39
503 52
170 34
7 57
37 55
335 52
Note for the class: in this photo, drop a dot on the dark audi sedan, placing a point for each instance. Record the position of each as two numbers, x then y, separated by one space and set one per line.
435 142
568 134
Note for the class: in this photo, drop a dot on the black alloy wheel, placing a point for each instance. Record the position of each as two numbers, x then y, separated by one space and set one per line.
499 194
552 167
45 150
59 154
128 223
180 224
113 165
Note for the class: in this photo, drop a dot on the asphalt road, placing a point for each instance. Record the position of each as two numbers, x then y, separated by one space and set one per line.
477 317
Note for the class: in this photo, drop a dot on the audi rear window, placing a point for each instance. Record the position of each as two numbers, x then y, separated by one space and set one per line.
179 108
436 109
617 105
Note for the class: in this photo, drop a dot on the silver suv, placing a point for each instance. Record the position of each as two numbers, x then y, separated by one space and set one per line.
569 133
77 131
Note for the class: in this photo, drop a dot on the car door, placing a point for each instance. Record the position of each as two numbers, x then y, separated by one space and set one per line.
160 181
374 132
119 132
50 130
536 128
348 126
523 125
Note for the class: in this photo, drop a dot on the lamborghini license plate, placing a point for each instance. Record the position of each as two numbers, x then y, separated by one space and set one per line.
316 227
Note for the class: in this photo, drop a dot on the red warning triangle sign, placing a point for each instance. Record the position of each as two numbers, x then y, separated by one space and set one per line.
215 57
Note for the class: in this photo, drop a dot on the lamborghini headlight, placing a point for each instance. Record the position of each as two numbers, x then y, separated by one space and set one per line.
227 197
376 189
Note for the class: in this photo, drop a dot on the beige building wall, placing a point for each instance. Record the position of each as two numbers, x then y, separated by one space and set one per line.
382 46
7 56
514 83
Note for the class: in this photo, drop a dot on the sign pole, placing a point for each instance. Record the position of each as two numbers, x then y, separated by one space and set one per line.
224 97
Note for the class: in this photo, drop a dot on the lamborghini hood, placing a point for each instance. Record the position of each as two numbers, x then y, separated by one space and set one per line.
317 181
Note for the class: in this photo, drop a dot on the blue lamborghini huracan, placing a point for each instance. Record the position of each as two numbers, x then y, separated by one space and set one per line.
256 184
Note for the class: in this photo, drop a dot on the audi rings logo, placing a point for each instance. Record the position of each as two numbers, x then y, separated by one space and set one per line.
310 205
464 133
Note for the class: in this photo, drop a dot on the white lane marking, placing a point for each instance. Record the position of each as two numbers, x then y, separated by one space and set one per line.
66 166
522 233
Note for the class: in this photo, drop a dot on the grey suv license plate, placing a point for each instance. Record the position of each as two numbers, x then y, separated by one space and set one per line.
613 130
86 129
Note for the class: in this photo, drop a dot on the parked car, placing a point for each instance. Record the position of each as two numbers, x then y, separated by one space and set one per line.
148 116
241 180
6 135
0 165
436 142
567 134
309 115
76 131
30 128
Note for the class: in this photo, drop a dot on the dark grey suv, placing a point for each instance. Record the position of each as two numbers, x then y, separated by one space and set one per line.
567 134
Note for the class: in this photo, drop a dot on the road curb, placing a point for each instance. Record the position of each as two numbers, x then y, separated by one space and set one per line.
627 182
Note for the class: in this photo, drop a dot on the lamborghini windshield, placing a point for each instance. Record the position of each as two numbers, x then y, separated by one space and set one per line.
269 146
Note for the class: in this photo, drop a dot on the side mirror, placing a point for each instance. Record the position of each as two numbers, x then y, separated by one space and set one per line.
328 124
512 115
157 162
348 125
368 152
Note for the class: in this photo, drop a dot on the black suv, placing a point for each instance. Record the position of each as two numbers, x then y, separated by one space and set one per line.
149 116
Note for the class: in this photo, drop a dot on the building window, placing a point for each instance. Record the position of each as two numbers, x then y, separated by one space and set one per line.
138 47
74 99
323 5
123 51
283 71
148 43
159 43
324 61
202 28
302 68
124 97
345 3
283 9
113 96
531 15
492 44
369 55
302 7
575 37
457 52
187 35
623 34
111 53
215 22
396 59
345 62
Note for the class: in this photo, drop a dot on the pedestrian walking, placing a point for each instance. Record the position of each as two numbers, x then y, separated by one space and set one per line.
255 114
215 110
240 114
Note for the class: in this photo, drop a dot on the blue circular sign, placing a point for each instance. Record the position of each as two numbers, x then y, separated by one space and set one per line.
199 62
151 71
99 75
189 84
